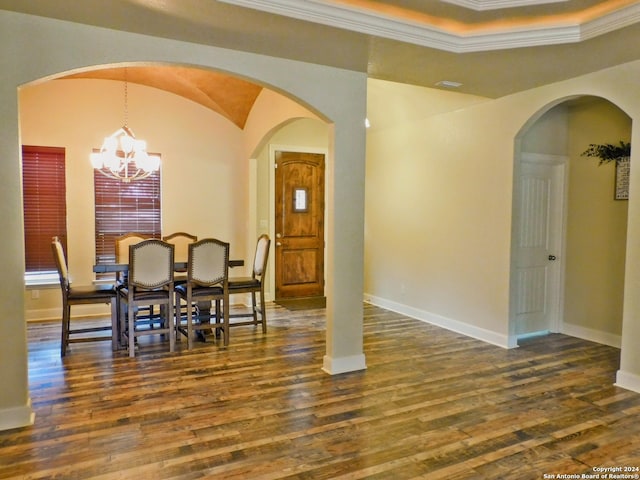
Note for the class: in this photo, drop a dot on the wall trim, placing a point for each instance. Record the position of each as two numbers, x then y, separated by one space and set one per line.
429 34
17 417
457 326
484 5
628 380
335 366
592 335
86 311
78 311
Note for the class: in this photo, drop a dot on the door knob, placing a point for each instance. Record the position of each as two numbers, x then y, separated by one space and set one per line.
278 244
278 235
552 257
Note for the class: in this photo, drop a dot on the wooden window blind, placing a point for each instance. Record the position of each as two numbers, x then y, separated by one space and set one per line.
121 208
44 205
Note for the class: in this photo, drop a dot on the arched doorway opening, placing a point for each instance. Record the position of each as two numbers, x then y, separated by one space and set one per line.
302 134
202 148
339 98
569 231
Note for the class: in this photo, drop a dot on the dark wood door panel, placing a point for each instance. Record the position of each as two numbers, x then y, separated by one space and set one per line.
299 244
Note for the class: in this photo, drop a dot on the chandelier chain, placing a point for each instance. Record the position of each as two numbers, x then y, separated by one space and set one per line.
126 102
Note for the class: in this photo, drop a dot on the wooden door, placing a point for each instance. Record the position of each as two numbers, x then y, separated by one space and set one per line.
299 225
539 240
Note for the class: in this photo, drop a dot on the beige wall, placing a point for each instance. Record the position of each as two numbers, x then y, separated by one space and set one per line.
201 164
439 202
438 206
596 225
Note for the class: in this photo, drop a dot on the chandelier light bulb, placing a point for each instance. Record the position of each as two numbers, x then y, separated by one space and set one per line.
154 163
127 143
96 160
140 146
110 144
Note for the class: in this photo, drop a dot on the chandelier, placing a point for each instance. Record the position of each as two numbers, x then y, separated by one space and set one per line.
122 156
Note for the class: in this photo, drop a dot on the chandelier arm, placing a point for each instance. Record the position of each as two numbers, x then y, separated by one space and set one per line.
139 175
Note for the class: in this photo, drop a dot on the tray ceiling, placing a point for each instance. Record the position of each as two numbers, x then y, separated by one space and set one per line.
491 47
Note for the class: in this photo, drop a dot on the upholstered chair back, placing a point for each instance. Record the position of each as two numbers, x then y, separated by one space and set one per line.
209 263
151 264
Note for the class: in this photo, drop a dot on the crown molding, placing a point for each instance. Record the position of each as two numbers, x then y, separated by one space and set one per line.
373 23
485 5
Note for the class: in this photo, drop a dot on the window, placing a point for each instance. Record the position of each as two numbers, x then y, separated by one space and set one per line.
45 209
122 208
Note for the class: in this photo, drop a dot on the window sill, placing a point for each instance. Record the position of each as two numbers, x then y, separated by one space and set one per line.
46 280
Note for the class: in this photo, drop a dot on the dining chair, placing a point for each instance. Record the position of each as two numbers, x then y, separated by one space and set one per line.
150 282
79 295
123 242
181 241
253 285
207 282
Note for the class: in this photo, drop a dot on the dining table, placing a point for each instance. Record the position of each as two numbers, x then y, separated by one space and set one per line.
178 267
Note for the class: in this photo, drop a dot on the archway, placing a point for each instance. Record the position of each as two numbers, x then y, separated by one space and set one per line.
584 261
301 134
338 94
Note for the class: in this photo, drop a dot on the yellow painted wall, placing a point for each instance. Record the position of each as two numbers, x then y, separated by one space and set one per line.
204 187
596 223
438 203
439 200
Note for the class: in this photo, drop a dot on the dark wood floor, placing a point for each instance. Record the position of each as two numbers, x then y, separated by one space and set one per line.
432 404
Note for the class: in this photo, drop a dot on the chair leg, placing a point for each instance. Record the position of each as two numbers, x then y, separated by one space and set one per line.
225 320
132 330
169 323
189 324
66 316
122 317
254 308
114 324
263 313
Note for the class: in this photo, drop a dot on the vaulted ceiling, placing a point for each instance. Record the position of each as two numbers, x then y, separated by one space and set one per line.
489 47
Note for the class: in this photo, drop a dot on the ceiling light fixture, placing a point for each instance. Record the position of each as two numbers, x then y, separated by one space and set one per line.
122 156
448 84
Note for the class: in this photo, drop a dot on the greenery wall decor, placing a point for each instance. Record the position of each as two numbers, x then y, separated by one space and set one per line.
620 154
608 152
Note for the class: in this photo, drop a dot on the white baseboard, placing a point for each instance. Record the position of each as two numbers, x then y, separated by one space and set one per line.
628 380
77 311
335 366
472 331
591 335
17 417
99 310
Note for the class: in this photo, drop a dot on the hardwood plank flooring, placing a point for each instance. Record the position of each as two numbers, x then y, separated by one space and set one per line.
432 404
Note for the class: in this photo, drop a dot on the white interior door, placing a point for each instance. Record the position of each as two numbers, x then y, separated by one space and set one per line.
538 244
